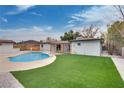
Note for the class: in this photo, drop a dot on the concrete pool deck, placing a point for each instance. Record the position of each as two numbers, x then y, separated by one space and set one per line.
7 80
7 66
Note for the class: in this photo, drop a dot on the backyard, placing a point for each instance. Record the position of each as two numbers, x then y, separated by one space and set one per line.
73 71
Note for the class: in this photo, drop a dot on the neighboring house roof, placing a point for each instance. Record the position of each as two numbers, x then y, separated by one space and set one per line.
7 41
86 39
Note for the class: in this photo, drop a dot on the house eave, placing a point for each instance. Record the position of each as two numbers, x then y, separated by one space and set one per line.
86 40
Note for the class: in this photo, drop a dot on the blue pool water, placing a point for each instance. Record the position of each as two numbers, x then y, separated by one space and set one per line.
28 57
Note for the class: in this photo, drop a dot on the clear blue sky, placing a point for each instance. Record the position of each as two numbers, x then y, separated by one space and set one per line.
57 16
38 22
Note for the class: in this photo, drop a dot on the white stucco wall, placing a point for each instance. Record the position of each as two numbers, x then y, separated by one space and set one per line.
86 47
53 48
46 47
7 48
66 48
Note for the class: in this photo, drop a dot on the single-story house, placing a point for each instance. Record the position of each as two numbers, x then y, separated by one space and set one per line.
56 46
86 47
6 44
81 46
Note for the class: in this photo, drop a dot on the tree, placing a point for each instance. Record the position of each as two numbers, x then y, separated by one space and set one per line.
70 35
119 8
90 32
115 35
120 27
115 39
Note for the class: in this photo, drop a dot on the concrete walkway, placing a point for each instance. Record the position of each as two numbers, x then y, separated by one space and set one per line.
118 61
7 80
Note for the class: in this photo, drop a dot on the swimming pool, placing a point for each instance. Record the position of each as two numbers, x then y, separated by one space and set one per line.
29 57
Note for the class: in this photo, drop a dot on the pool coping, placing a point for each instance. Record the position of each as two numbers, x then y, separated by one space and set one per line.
8 66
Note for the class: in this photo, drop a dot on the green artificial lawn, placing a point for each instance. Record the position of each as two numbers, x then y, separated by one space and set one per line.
73 71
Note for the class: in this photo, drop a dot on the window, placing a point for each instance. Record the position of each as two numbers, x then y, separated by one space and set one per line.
78 44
